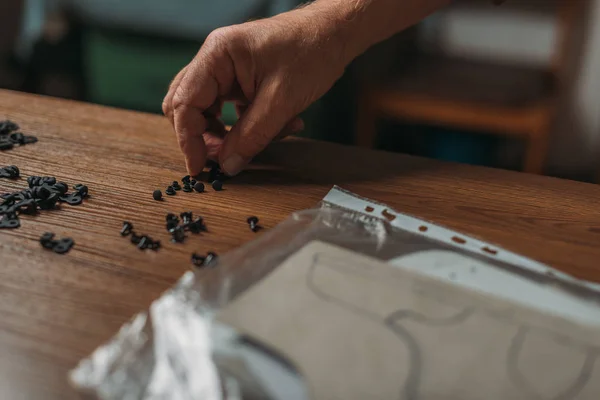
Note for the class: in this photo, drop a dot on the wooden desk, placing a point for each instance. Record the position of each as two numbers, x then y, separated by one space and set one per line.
54 310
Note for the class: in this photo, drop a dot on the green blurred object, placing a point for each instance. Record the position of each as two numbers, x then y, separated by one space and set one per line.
134 71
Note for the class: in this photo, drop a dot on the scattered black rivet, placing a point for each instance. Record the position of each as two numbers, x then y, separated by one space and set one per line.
193 182
61 188
49 203
187 188
82 190
157 195
10 221
6 145
11 172
144 242
48 180
217 185
30 140
171 224
63 246
186 217
196 226
170 191
253 222
17 138
186 179
7 127
25 207
198 260
47 240
177 234
72 199
176 185
210 260
127 228
199 187
40 192
135 239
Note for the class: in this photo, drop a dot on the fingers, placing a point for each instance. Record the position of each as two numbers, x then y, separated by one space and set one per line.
197 98
167 105
261 122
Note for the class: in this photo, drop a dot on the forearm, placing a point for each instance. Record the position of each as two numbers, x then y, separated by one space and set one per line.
359 24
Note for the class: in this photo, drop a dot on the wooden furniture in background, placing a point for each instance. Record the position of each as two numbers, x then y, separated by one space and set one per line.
500 99
56 309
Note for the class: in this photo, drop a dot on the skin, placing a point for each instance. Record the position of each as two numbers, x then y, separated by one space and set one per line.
273 69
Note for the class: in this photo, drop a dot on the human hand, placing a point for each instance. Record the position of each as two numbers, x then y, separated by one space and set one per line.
272 69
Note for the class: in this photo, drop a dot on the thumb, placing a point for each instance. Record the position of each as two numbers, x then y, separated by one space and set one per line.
254 130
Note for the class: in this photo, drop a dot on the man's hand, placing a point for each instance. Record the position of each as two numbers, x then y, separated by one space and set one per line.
273 69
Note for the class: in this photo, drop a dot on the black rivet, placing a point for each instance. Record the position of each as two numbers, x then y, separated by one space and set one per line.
172 221
199 187
127 228
170 191
177 234
157 195
187 188
176 185
186 217
210 260
82 190
186 179
11 172
60 187
196 226
72 199
217 185
135 239
63 246
144 242
47 240
198 260
253 222
193 182
6 145
10 221
49 203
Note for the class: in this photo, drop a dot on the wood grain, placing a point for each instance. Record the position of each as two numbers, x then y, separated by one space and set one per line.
55 309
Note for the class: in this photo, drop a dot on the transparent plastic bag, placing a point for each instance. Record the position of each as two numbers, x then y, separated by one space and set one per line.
168 351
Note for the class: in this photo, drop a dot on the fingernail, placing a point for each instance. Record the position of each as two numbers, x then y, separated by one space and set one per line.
233 165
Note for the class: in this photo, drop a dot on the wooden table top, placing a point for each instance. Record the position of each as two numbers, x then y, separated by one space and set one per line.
56 309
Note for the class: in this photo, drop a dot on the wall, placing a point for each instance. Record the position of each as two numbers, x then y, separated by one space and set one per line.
507 34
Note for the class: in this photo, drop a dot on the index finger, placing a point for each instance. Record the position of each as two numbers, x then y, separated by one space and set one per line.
207 75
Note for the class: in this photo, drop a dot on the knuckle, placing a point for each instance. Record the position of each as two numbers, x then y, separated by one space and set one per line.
219 39
180 99
165 107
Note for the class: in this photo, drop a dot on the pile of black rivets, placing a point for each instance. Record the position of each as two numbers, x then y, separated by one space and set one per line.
9 137
188 224
142 242
43 194
10 172
61 246
210 260
215 178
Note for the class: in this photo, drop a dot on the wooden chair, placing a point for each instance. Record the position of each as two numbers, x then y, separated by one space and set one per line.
499 99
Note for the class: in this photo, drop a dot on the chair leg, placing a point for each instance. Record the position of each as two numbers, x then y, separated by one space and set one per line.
536 152
366 124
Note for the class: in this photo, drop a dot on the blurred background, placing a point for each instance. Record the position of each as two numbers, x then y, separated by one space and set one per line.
515 86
